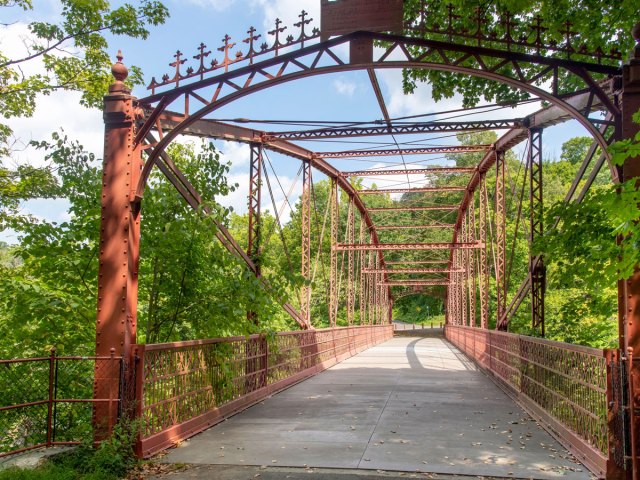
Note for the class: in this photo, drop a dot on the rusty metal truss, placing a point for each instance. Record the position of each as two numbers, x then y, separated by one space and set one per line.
416 171
414 227
417 283
413 270
516 52
406 151
395 129
384 191
343 247
432 208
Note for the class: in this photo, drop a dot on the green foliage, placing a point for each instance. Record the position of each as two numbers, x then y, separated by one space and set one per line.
190 286
596 24
111 460
84 67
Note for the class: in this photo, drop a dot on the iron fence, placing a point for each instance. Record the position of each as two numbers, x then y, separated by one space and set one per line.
185 387
562 385
49 400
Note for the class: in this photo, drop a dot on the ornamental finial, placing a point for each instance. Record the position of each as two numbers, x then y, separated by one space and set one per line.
119 70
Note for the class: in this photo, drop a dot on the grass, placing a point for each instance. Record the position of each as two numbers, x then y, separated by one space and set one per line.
111 460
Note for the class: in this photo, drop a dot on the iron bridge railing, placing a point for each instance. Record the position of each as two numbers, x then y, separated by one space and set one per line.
49 401
186 387
563 386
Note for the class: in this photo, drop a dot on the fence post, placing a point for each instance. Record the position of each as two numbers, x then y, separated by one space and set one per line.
138 398
52 363
615 409
266 362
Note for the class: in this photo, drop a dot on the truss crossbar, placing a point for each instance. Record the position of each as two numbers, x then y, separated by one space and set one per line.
416 171
414 209
419 262
415 128
406 151
413 270
414 227
412 190
345 247
416 283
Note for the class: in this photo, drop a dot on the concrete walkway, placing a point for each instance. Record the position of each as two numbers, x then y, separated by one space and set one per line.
410 404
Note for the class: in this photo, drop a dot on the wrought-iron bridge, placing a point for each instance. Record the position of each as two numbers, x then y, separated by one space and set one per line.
588 398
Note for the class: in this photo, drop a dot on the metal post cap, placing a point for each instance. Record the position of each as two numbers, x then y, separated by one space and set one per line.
119 70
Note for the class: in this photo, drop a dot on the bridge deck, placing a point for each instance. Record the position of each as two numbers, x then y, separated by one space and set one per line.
408 404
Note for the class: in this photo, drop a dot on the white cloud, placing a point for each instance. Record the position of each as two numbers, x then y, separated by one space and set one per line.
288 11
236 153
344 87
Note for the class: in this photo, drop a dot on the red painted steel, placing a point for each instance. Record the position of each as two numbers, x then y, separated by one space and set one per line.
414 227
406 246
117 304
433 208
564 386
187 387
416 283
383 191
413 270
415 171
406 151
395 129
629 289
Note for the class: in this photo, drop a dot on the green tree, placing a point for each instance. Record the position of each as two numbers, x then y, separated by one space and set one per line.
84 67
575 149
595 24
190 286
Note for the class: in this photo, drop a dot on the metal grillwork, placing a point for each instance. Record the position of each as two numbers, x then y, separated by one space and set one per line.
188 386
49 400
563 385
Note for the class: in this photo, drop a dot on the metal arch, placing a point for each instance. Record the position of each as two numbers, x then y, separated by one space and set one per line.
579 69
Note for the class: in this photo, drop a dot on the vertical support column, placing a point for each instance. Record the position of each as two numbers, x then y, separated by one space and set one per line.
629 289
305 297
537 269
462 264
471 262
255 198
351 294
379 290
456 288
484 266
362 274
501 285
372 292
116 318
333 276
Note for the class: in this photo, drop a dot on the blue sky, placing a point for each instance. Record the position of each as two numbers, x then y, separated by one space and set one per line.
344 96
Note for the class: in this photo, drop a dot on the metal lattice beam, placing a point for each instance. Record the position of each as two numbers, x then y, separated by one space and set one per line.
411 190
414 128
406 151
537 269
414 227
500 220
413 270
342 247
305 298
432 208
415 171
